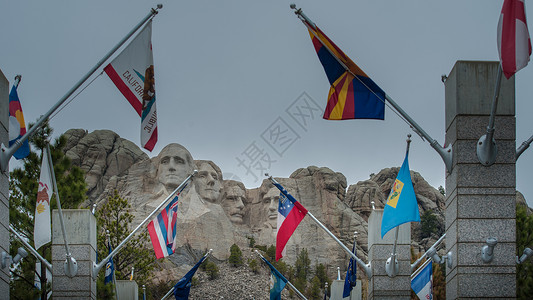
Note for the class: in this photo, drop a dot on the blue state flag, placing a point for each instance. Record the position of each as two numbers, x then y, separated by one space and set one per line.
422 281
277 281
109 267
401 206
351 275
183 287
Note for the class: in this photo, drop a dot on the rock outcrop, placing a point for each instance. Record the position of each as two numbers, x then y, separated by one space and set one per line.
214 213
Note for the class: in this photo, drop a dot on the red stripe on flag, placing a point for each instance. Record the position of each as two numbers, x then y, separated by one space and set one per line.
288 226
132 99
349 104
152 141
154 238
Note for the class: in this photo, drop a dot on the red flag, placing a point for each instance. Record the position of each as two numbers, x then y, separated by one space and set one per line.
514 44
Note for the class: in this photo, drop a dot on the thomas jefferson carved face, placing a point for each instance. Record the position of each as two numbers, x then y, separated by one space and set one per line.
208 182
175 164
270 207
233 203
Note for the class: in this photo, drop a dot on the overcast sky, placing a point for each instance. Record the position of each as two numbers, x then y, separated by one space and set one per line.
229 72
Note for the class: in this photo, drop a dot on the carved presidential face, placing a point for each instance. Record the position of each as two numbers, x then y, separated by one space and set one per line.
233 204
175 164
270 207
208 182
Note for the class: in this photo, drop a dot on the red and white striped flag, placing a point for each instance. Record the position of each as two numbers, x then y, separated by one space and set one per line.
514 44
163 228
133 74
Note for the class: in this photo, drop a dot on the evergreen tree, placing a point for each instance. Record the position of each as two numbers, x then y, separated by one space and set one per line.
114 216
320 272
235 257
254 266
524 239
314 290
302 267
429 224
23 186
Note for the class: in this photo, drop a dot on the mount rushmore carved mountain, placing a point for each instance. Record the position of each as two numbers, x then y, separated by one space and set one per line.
216 213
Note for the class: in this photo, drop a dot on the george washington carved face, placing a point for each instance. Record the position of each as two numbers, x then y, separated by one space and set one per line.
175 163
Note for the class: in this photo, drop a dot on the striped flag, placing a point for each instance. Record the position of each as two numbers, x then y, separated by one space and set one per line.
163 228
133 74
17 126
422 281
514 44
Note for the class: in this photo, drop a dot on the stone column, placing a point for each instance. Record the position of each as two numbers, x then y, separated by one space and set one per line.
4 184
127 289
337 288
381 286
80 225
480 200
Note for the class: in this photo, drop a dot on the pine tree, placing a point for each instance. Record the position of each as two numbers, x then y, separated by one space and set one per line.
524 239
235 257
114 216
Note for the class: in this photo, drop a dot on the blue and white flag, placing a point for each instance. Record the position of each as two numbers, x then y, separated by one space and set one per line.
277 281
422 281
401 206
351 275
109 267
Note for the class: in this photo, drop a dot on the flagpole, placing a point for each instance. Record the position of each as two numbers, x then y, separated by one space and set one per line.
169 293
444 152
108 235
71 266
392 262
486 149
523 147
428 252
97 267
288 282
6 153
32 250
366 267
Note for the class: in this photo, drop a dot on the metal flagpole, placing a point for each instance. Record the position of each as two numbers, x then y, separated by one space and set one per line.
71 266
97 267
391 265
444 152
429 252
523 147
32 250
6 153
108 235
288 282
169 293
486 147
366 267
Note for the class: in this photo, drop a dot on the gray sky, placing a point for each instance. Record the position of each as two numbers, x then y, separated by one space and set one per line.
229 71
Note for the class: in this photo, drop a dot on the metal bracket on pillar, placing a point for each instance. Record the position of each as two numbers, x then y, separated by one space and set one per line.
487 251
71 266
391 266
487 149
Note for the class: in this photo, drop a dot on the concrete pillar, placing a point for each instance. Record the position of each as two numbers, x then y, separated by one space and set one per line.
80 225
381 286
337 287
127 289
4 184
480 200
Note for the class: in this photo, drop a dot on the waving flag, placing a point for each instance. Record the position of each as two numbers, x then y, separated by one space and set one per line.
351 275
133 74
290 214
422 281
514 44
277 281
352 95
183 287
162 230
401 206
42 232
109 267
17 126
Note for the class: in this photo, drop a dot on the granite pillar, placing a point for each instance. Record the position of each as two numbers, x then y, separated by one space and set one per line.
381 286
4 184
480 200
80 225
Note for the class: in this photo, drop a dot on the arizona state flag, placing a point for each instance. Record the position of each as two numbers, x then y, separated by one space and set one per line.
352 95
133 74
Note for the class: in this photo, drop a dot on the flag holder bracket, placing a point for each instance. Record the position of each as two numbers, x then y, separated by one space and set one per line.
392 267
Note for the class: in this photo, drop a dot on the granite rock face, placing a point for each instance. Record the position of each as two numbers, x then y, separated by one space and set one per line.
216 213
